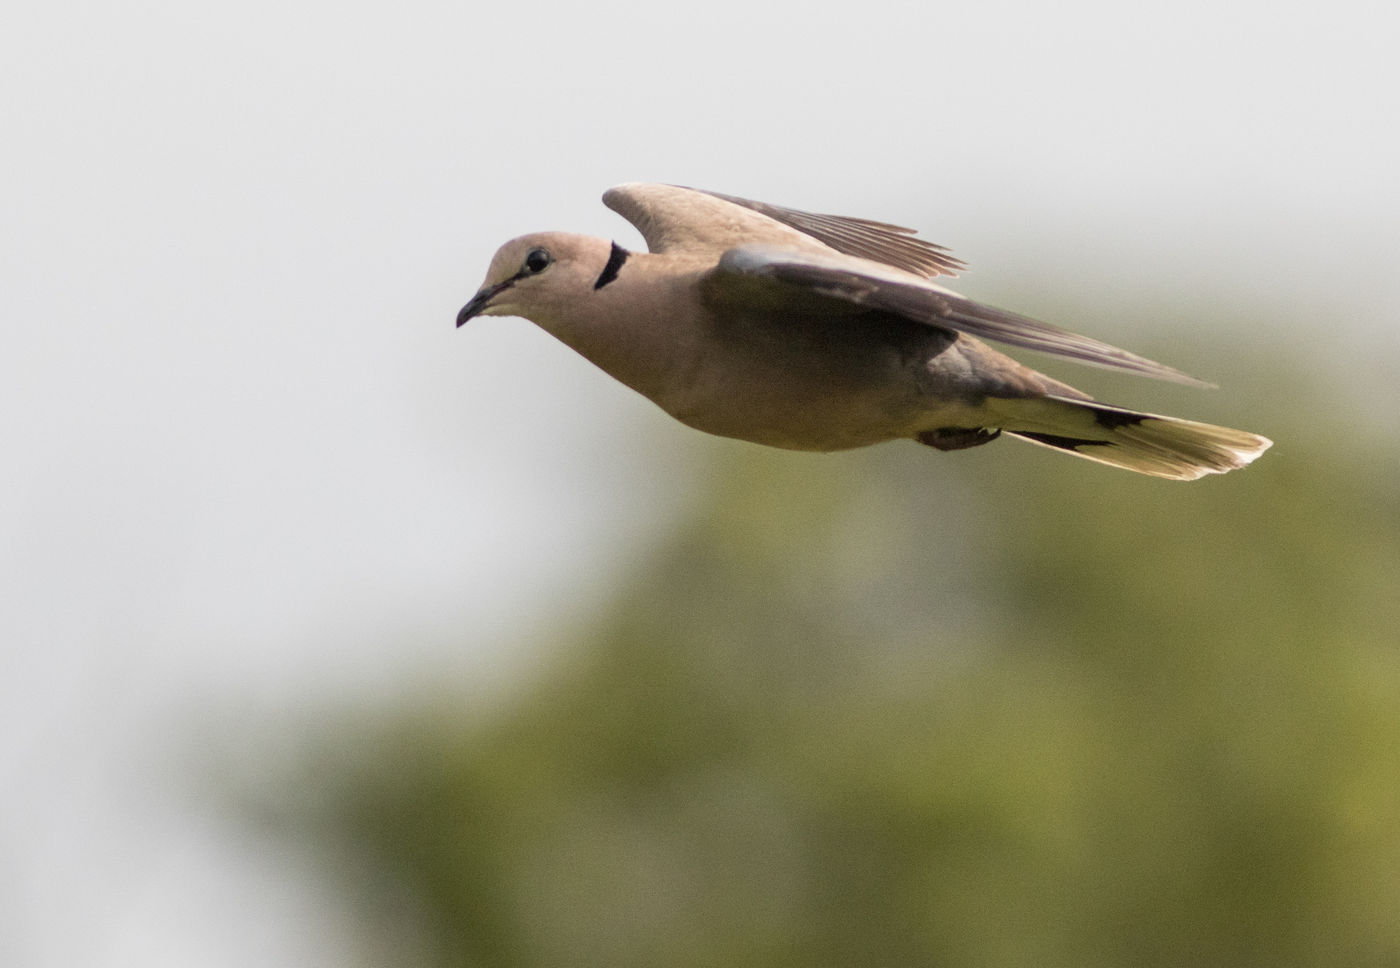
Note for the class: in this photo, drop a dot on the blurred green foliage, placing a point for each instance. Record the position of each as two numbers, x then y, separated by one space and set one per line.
993 708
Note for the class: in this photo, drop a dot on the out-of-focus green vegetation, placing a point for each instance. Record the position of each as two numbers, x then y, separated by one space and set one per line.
906 708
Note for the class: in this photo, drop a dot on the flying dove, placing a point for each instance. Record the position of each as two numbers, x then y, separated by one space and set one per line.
821 332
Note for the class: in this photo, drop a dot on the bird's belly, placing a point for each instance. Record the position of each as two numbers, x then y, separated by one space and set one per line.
793 422
799 392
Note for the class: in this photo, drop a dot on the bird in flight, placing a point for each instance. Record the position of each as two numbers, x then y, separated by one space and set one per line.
823 332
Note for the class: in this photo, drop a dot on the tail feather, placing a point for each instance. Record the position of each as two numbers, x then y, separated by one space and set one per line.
1148 443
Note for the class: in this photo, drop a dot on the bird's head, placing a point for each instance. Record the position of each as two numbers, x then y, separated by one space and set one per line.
536 275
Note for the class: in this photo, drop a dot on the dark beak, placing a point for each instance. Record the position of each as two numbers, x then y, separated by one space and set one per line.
481 300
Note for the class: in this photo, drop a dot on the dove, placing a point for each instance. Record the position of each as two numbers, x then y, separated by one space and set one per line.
822 333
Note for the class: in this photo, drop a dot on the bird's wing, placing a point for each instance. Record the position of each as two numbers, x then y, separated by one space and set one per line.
672 218
682 221
892 245
770 277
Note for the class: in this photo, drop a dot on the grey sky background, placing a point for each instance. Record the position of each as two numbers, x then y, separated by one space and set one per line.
245 448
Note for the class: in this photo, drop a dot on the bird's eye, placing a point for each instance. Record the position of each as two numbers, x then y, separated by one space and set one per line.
537 260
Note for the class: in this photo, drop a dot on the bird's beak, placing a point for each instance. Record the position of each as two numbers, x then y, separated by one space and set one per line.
481 300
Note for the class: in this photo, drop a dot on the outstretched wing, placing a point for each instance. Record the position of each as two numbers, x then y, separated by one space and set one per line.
892 245
676 219
767 276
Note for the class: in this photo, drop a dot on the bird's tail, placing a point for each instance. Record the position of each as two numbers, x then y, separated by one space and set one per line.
1180 450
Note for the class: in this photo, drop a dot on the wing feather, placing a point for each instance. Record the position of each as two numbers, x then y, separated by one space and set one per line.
764 275
674 219
892 245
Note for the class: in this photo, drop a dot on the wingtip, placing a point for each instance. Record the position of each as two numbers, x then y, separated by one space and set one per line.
1177 376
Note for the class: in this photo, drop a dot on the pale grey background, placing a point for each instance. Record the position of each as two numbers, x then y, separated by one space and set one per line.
244 447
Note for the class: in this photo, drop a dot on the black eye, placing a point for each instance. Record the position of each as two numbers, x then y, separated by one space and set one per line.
537 260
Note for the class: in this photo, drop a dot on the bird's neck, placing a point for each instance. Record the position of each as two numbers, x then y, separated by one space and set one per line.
640 330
